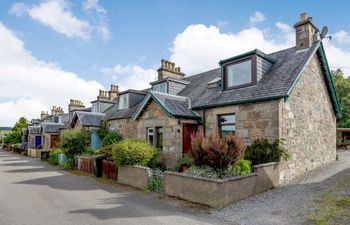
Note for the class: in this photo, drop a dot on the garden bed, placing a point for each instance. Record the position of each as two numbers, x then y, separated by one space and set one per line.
109 169
135 176
85 164
218 193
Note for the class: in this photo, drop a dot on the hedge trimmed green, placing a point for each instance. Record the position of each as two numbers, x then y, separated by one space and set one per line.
131 152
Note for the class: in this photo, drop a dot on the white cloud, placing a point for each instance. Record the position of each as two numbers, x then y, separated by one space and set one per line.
199 47
341 37
18 9
31 85
130 76
57 15
93 5
257 18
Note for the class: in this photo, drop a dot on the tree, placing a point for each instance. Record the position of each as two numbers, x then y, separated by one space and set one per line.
342 86
15 135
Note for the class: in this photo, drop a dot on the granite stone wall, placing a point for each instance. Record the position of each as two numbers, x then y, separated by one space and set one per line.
127 128
308 124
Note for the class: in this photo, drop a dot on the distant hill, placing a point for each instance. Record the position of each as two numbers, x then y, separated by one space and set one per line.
5 128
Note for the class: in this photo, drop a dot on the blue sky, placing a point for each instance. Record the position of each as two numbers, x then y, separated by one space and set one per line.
122 42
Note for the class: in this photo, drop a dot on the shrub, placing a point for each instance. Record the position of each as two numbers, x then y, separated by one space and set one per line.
214 151
75 143
242 167
156 181
263 151
203 171
132 152
155 161
107 151
111 138
53 156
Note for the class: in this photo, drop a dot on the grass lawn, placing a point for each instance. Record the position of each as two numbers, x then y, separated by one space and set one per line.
334 207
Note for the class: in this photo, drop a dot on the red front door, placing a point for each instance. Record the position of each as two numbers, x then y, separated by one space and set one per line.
187 130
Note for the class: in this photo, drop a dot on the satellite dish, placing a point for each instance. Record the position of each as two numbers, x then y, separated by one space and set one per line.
324 32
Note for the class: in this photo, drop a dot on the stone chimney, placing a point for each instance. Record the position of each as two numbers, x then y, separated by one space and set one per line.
113 92
103 95
306 32
44 114
168 69
56 110
75 105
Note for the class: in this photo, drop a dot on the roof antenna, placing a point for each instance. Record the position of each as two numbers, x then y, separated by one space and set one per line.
324 33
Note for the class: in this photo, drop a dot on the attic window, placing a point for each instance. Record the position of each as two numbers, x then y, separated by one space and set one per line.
123 102
240 73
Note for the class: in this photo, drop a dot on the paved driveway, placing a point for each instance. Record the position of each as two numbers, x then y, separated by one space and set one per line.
33 192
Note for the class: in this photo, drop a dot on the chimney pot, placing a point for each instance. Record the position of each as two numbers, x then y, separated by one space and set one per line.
303 16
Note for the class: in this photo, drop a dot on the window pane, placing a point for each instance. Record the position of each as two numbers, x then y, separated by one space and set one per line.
226 129
240 73
225 119
150 135
123 102
159 143
162 87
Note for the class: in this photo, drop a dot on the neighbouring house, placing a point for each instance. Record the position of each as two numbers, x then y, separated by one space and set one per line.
287 94
51 134
34 136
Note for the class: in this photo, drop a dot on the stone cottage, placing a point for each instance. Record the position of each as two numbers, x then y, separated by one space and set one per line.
287 94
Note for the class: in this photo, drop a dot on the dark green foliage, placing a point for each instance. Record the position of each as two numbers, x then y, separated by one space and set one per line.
103 131
216 152
53 156
263 151
132 152
74 143
15 135
155 161
342 87
111 138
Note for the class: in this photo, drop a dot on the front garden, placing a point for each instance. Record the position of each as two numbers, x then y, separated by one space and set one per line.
222 169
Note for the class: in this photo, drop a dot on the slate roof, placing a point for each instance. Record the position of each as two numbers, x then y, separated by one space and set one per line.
275 84
89 119
34 129
52 127
121 114
174 105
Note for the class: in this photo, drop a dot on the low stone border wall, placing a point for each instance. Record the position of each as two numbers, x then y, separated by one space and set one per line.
218 193
135 176
35 153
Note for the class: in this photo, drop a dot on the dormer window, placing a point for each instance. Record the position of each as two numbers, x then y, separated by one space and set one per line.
240 73
244 70
123 102
161 87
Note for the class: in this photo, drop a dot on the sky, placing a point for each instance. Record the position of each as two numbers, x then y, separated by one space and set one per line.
55 50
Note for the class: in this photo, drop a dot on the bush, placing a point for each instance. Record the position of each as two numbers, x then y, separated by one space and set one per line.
111 138
132 152
263 151
156 181
74 143
107 151
216 152
203 171
242 167
155 161
53 156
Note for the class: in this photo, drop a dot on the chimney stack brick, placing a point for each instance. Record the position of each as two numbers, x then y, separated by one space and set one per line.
169 69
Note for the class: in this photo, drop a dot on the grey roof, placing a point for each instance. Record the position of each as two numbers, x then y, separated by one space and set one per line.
121 114
34 129
276 83
52 127
89 119
177 106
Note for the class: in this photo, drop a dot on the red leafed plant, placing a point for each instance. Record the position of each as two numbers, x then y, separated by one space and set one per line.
215 151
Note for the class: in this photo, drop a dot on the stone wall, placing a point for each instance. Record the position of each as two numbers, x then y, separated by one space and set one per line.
127 128
308 124
154 116
256 120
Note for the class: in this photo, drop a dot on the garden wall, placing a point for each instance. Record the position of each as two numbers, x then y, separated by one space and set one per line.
109 169
85 164
135 176
218 193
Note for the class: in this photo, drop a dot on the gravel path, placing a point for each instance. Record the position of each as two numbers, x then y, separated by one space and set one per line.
290 204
